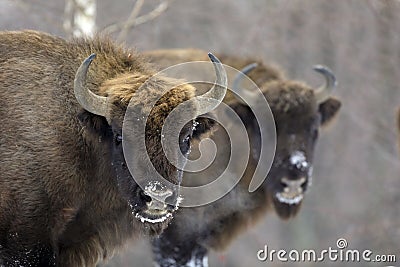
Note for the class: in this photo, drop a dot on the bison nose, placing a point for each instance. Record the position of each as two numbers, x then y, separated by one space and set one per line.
295 186
155 198
145 197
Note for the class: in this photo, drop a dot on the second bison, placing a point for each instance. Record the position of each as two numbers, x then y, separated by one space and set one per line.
299 112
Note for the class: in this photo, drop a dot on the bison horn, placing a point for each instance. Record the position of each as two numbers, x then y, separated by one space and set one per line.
86 98
250 97
218 90
323 92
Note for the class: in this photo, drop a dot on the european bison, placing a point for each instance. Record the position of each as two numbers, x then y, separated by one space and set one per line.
67 197
299 111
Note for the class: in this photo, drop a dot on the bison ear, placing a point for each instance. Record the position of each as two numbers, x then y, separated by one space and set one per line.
328 110
94 123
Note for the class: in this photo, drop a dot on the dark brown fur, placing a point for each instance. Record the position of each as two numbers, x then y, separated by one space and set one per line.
295 111
59 198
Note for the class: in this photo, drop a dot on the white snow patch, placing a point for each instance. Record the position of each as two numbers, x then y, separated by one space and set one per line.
298 159
205 261
179 201
194 262
152 186
195 123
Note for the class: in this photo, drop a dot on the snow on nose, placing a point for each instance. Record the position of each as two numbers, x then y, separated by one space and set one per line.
298 159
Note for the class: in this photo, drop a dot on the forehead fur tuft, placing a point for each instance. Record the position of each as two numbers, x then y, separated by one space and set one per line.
142 90
289 96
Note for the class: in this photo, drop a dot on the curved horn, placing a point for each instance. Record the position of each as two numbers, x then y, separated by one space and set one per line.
324 91
249 96
87 99
218 90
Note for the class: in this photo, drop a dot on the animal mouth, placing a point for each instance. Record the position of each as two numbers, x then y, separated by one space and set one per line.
292 193
287 201
288 198
153 216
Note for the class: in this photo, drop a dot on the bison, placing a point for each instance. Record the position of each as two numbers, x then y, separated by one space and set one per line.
67 197
299 112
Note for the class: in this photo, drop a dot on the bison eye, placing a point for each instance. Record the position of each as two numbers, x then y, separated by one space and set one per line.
118 139
185 144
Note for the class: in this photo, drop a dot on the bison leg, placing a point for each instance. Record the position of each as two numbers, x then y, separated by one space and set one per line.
169 254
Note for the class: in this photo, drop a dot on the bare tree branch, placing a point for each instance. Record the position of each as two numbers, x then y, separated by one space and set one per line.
135 20
161 8
132 17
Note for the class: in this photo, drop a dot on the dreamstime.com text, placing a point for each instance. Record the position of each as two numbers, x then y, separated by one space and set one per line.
340 253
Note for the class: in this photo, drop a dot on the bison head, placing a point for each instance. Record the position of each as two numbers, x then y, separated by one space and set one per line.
299 112
153 203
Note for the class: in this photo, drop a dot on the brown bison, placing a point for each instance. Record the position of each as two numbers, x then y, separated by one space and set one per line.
67 197
299 112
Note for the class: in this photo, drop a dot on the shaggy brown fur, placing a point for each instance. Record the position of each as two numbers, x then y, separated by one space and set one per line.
63 199
297 116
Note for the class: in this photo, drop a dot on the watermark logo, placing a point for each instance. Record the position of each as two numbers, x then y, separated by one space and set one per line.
340 253
200 74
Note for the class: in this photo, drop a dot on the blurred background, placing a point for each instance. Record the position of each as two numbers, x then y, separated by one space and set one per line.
356 185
